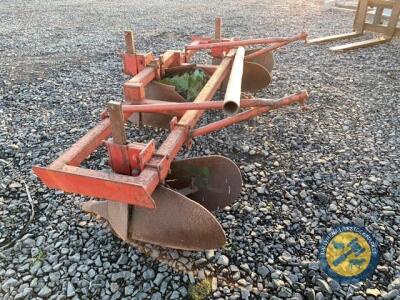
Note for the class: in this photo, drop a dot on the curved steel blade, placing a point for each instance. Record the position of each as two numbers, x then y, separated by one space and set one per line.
255 77
116 213
265 59
164 92
176 222
215 180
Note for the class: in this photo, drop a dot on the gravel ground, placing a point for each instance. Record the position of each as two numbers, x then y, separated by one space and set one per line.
304 172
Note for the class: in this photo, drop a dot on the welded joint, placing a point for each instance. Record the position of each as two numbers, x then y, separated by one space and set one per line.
174 123
162 166
157 67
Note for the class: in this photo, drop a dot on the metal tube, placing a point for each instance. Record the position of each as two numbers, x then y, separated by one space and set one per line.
300 97
249 42
234 88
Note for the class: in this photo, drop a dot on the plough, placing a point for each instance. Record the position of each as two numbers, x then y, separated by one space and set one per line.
149 195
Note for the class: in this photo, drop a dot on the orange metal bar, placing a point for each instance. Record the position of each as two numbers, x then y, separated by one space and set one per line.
176 106
265 50
300 97
149 102
84 146
105 185
249 42
144 77
134 88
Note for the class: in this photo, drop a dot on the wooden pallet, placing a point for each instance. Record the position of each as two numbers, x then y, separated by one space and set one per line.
387 31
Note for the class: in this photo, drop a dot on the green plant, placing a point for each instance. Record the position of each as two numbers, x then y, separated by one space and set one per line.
188 84
40 256
200 290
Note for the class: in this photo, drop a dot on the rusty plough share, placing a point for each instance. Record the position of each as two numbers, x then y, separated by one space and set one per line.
150 196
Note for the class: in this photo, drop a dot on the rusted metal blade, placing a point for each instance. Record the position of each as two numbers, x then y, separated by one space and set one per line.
159 91
116 213
265 59
176 222
255 77
164 92
215 180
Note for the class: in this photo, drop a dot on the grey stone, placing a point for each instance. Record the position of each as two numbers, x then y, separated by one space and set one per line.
34 283
395 284
174 254
44 292
183 291
244 293
55 277
76 257
310 294
200 261
324 286
223 260
285 292
159 278
35 267
97 261
24 294
335 286
9 283
391 294
129 290
319 296
175 295
233 268
70 290
9 273
29 242
122 260
114 286
214 284
333 207
313 266
156 296
242 282
83 268
148 274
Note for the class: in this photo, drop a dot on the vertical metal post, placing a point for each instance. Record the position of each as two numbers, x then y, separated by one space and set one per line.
130 42
117 122
118 213
218 28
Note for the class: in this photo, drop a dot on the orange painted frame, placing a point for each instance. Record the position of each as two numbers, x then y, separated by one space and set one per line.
65 174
